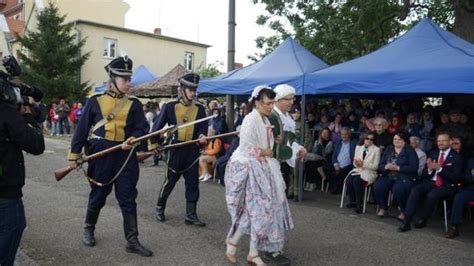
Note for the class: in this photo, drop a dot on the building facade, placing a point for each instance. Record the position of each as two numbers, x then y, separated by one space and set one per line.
101 23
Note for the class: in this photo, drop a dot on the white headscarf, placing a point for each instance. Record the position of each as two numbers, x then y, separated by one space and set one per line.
283 90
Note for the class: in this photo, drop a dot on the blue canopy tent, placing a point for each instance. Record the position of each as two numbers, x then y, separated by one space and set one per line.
141 74
425 60
288 63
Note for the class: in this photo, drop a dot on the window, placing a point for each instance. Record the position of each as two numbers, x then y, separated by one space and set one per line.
188 61
110 46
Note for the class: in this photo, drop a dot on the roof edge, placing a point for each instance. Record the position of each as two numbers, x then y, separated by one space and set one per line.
162 37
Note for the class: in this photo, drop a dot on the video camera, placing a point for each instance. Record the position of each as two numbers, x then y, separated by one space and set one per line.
16 93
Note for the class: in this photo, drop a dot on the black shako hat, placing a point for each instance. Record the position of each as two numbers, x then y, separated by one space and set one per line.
190 81
120 66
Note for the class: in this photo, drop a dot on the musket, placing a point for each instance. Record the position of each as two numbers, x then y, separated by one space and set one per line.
144 155
61 173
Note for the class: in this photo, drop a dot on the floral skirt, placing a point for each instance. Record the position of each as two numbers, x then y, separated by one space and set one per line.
256 203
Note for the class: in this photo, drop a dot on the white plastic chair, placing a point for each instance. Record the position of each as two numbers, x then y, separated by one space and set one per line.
367 191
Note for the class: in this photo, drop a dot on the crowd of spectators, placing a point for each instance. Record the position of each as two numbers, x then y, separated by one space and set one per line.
391 146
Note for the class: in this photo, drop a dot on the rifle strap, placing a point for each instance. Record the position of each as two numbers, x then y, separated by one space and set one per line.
107 118
97 183
181 171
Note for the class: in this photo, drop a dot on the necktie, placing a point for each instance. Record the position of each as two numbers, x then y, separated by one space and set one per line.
364 153
439 181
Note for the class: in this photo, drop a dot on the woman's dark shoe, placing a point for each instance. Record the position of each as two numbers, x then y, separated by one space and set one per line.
420 223
453 232
351 205
404 227
358 210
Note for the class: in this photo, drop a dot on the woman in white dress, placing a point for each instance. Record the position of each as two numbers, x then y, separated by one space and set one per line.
255 189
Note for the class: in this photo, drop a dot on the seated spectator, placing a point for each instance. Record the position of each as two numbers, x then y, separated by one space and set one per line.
209 155
335 127
311 120
440 178
243 111
426 132
461 199
352 123
398 167
382 139
415 144
342 160
221 162
213 104
455 127
324 111
396 125
456 144
412 127
363 129
218 123
366 161
324 123
443 119
463 119
318 160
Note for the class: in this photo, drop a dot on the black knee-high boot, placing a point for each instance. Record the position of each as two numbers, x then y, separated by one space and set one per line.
160 210
191 216
91 221
131 234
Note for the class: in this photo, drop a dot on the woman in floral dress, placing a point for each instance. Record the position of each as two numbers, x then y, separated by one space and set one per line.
255 190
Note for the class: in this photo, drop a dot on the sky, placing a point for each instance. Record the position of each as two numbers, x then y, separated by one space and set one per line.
203 21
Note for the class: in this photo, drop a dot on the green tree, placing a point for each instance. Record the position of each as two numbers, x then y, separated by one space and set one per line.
337 31
209 71
51 57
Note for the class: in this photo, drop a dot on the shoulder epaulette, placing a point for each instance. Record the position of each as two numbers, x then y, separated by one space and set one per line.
171 102
97 94
199 103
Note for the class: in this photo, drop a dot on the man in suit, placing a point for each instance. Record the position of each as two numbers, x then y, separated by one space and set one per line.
342 160
461 199
440 177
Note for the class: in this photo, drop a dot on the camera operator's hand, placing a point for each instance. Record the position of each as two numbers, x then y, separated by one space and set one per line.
73 164
25 108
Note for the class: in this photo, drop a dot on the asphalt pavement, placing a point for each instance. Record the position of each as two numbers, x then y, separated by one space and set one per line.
323 233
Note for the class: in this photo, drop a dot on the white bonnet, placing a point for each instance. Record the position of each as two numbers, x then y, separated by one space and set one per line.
283 90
